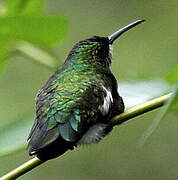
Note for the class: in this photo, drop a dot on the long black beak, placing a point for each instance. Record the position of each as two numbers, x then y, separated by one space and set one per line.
115 35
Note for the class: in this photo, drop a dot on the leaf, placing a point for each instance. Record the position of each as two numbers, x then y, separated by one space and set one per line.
171 104
4 54
41 30
27 7
14 7
32 7
133 93
21 22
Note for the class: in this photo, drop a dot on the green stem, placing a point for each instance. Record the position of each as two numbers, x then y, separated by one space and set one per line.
139 109
37 54
24 168
128 114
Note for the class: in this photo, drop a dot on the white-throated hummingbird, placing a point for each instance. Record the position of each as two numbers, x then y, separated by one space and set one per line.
77 102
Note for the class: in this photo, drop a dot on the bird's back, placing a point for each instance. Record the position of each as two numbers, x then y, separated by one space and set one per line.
66 107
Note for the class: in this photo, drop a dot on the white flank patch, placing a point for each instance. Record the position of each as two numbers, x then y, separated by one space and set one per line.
93 135
107 103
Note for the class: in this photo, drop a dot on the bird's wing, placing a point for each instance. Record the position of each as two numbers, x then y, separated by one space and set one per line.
67 114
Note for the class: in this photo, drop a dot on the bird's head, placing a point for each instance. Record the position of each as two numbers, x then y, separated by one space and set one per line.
98 50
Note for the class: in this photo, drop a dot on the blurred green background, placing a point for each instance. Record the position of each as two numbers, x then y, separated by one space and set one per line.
148 51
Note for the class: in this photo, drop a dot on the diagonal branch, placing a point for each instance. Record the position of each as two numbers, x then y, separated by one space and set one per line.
127 115
37 55
140 109
24 168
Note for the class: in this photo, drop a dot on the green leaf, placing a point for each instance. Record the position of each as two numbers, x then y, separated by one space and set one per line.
44 31
171 104
41 30
4 54
14 7
133 93
24 7
23 23
32 7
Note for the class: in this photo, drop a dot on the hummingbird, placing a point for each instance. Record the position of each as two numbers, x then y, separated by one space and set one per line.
75 105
